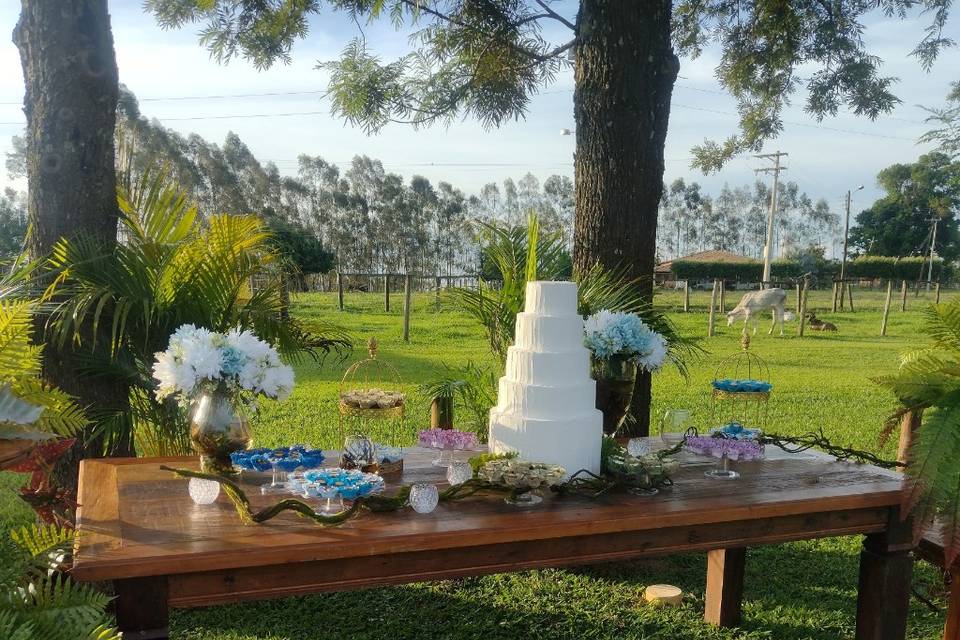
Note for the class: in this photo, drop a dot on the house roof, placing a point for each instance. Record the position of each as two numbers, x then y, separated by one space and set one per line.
713 255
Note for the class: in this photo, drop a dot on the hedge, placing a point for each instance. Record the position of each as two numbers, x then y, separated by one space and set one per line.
889 267
750 271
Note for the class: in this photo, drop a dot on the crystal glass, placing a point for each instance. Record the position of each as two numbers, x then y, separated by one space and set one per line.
424 497
638 447
673 425
203 491
459 472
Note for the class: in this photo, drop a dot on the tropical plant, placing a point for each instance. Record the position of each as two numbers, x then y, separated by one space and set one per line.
523 254
929 382
38 599
171 268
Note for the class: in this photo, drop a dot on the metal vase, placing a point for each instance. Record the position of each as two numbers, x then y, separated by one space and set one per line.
217 430
616 378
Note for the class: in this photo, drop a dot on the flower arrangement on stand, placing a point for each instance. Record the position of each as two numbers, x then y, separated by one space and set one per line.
621 344
219 378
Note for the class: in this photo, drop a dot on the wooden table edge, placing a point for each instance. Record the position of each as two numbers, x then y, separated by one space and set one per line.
104 569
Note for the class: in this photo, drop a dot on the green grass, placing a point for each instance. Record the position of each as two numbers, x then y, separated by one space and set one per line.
799 591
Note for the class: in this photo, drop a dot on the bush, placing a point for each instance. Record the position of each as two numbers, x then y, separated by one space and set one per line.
893 268
752 271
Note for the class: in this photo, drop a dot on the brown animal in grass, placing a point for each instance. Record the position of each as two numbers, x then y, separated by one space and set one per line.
817 324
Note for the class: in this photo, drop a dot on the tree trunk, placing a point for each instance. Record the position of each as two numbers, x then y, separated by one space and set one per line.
625 72
70 73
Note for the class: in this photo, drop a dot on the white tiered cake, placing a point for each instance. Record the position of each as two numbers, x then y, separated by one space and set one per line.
546 409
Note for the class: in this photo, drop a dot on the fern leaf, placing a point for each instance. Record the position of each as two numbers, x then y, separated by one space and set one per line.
61 609
48 545
14 627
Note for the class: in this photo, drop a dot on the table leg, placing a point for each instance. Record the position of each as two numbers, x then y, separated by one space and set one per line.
141 608
725 568
886 566
952 630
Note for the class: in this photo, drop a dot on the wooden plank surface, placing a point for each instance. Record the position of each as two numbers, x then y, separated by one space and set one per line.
139 521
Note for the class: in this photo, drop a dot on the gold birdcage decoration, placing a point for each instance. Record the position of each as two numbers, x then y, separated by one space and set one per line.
372 391
741 388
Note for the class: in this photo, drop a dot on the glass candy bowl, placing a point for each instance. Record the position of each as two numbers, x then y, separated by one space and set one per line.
726 449
525 479
336 485
446 442
282 461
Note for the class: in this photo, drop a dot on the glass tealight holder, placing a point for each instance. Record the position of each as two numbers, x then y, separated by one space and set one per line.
424 497
203 491
459 472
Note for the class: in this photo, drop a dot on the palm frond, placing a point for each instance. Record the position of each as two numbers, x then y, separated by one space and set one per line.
929 380
119 305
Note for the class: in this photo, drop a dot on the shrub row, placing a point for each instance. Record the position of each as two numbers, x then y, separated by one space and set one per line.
888 267
879 267
745 272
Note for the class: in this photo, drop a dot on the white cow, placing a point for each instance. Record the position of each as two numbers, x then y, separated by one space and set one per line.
752 303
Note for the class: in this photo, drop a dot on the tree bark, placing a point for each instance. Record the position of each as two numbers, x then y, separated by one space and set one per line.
70 73
625 71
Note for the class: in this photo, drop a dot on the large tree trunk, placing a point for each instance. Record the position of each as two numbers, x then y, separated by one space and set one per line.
625 72
70 73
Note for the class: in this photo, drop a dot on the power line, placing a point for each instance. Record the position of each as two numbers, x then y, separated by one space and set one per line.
216 96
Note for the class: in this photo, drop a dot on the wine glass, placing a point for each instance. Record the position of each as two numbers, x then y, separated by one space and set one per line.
673 426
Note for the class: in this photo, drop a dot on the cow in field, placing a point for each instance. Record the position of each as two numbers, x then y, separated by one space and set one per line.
754 302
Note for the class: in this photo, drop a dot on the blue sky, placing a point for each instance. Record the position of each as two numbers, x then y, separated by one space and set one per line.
825 161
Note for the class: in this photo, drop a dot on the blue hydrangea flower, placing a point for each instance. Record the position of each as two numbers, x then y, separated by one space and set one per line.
609 333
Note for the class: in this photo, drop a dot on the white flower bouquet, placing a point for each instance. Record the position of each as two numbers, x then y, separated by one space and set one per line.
237 363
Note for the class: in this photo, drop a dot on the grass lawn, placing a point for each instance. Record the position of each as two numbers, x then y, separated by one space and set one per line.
794 591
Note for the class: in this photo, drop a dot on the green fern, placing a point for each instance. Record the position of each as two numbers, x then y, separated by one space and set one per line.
15 627
929 381
59 608
49 546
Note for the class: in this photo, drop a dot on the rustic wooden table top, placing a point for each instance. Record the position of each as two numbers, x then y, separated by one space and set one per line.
137 520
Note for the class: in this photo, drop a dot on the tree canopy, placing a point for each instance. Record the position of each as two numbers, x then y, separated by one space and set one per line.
487 59
900 223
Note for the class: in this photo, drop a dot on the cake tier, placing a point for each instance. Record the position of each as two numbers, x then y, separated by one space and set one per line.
547 367
573 442
549 333
547 402
551 298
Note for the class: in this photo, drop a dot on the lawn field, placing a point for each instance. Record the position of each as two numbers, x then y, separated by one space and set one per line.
800 591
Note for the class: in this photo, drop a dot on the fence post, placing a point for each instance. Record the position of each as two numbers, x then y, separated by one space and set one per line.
386 292
937 290
406 307
850 296
903 296
834 296
886 308
723 296
802 312
799 293
686 296
713 309
340 290
438 292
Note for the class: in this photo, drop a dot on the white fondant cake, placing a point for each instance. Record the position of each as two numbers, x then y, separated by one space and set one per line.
546 408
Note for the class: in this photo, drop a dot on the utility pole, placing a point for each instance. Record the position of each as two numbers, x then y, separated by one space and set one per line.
768 248
846 235
933 243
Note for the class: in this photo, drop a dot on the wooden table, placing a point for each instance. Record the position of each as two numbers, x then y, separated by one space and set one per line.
141 530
